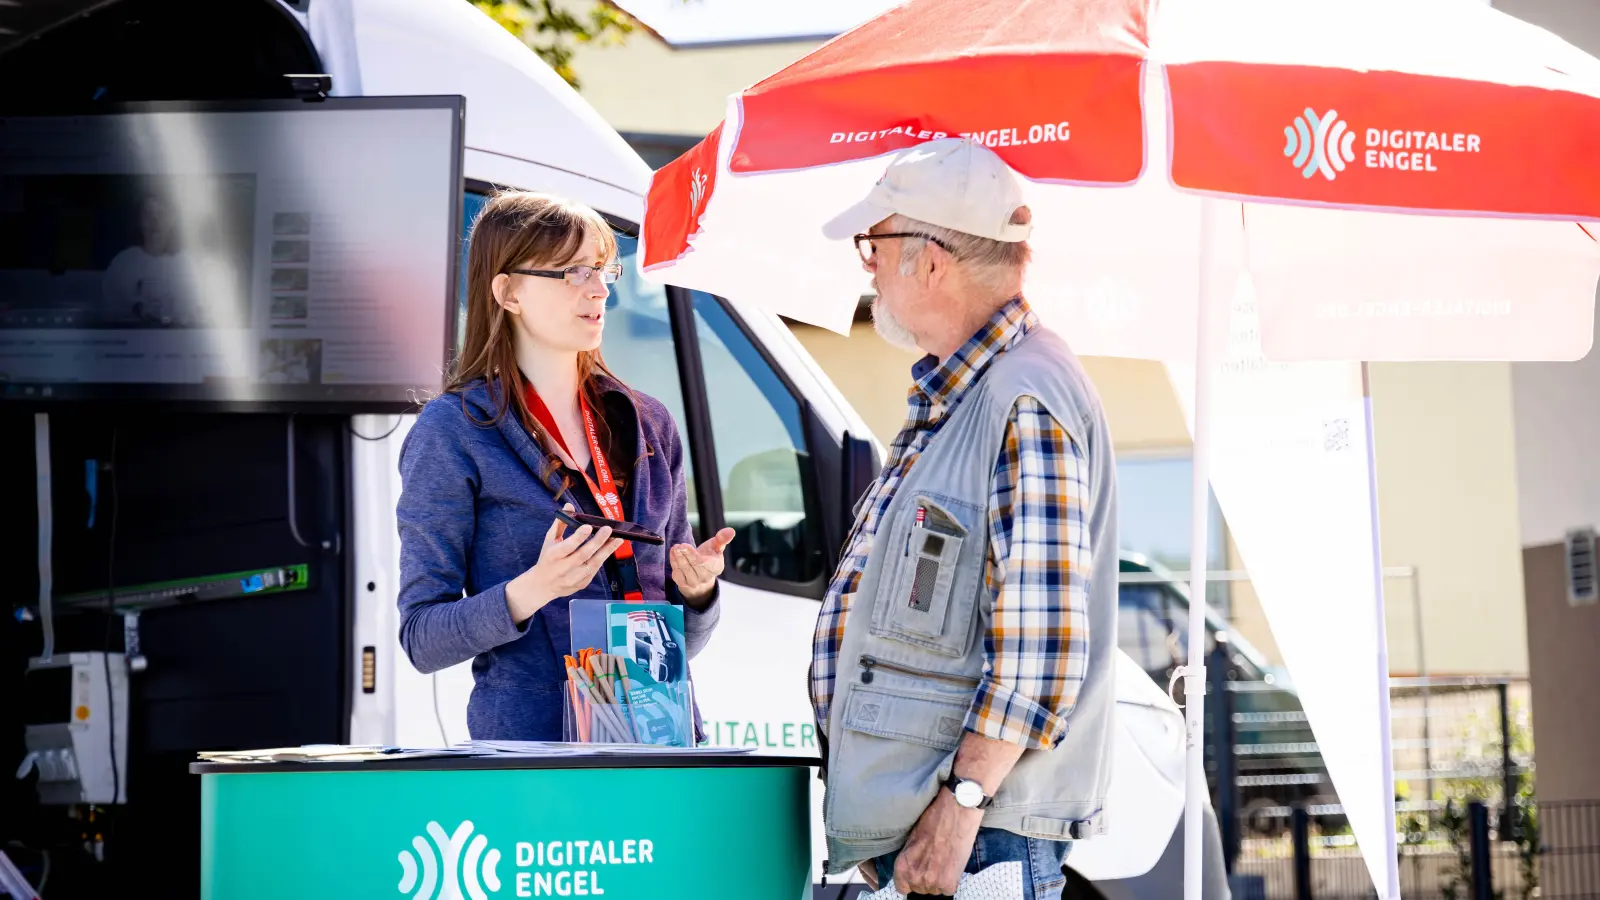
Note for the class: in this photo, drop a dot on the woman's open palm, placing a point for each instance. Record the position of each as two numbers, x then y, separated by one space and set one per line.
695 569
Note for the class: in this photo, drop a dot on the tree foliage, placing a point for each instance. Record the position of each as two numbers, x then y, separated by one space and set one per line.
553 29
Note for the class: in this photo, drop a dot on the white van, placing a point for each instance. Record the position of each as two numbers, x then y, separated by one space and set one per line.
776 452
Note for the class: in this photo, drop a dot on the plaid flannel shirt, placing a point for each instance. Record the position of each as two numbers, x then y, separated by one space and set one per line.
1039 554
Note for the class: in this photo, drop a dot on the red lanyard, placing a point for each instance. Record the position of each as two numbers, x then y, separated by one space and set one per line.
605 492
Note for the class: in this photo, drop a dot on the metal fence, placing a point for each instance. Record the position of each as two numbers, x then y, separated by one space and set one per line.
1469 825
1305 865
1569 850
1554 855
1455 740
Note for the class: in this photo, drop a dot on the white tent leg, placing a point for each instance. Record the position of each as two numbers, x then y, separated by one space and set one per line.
1381 624
1194 686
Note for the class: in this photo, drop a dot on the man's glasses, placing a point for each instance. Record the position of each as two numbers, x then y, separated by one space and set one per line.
577 276
867 251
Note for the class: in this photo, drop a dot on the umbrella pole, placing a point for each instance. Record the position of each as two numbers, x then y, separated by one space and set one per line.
1391 853
1194 686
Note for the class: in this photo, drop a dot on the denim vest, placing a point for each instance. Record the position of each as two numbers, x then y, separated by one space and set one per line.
896 721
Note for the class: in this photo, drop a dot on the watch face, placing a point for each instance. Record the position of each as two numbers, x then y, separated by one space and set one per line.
969 794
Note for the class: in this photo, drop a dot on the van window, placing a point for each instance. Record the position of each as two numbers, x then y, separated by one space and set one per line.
472 203
758 432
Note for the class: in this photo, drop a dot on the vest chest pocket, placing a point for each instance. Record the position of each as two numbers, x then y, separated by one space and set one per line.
928 602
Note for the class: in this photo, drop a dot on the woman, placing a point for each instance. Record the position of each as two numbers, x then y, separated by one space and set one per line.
486 568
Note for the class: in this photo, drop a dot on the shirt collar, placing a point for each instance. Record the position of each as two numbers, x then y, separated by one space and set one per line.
944 384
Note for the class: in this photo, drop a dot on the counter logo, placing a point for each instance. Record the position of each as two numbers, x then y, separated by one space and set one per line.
444 869
1320 144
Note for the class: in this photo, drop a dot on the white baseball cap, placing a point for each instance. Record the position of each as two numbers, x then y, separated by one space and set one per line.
955 183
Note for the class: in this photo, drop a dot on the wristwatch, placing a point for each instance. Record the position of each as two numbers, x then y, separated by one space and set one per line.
968 793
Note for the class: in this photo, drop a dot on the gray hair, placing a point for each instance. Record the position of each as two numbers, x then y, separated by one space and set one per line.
992 264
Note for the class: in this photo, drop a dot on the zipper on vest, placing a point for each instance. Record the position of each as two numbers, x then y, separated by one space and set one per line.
868 663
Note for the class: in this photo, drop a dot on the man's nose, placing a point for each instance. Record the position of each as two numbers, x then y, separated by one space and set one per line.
871 264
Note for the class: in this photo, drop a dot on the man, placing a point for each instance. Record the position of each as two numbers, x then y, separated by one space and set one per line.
146 279
962 670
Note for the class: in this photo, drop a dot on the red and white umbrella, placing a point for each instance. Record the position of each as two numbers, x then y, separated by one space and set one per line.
1399 180
1321 118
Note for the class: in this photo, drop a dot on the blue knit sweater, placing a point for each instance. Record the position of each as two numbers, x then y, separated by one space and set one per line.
473 513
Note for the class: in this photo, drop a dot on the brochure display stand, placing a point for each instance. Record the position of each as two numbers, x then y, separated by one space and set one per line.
657 825
627 678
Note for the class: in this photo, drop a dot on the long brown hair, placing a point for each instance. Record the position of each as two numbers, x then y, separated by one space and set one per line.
514 228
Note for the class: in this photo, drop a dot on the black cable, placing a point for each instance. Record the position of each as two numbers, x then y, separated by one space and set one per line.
384 436
111 616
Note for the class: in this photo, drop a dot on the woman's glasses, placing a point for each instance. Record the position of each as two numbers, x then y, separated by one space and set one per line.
577 276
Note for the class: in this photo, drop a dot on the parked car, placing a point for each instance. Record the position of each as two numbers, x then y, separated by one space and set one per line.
1272 755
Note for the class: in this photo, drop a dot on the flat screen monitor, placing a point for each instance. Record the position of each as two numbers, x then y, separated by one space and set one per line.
263 255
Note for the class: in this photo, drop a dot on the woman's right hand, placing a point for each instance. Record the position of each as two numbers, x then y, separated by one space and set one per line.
567 563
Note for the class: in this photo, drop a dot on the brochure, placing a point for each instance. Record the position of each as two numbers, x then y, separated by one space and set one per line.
649 639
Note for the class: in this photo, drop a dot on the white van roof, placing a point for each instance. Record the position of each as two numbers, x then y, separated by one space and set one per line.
518 109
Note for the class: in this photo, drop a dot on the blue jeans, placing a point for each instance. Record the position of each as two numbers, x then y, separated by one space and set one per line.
1042 861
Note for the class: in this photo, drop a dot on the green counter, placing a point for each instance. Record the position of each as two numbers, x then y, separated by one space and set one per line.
624 828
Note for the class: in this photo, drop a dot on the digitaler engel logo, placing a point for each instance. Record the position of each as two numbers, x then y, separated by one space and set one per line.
446 870
697 190
1320 144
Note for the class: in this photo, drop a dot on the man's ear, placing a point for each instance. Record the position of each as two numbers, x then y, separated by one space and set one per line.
934 263
501 288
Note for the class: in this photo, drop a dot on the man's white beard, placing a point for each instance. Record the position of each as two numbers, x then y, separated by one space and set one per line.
890 328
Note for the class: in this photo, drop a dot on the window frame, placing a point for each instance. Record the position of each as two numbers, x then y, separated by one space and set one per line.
702 441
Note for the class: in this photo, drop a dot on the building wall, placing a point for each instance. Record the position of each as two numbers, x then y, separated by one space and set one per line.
1576 21
1558 480
646 86
1558 439
1558 431
1563 639
1447 503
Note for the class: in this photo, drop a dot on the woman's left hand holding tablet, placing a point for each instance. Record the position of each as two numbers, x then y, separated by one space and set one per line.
567 563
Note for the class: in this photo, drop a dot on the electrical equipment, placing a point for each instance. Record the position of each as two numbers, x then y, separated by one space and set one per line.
188 590
77 728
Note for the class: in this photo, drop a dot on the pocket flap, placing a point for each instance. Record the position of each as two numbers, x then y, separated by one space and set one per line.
912 718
